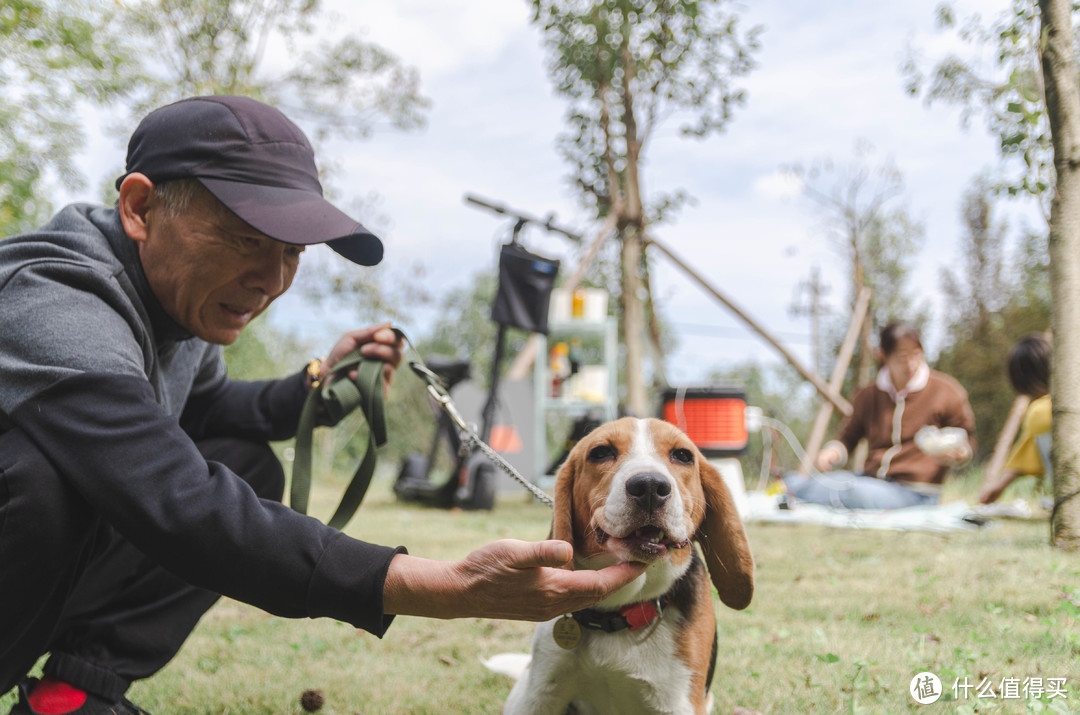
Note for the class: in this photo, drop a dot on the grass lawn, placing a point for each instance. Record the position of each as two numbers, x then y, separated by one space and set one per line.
841 621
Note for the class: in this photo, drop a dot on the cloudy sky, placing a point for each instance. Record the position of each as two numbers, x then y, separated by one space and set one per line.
827 76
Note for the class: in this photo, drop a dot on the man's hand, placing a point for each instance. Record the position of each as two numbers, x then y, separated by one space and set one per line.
377 341
518 580
830 457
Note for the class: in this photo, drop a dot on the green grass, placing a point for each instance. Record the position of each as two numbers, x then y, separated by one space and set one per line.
840 623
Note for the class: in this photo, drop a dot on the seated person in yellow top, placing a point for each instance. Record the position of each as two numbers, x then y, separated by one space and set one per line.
1029 373
906 397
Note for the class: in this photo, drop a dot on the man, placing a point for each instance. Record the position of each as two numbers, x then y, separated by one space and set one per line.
906 397
135 480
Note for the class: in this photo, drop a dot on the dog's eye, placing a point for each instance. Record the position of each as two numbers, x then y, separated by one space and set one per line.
682 456
603 453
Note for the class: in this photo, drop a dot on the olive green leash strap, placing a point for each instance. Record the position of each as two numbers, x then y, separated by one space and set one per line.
338 396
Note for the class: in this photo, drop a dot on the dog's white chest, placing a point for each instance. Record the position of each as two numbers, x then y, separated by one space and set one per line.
621 672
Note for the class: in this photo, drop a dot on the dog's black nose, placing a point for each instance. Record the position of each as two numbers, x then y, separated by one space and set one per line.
649 491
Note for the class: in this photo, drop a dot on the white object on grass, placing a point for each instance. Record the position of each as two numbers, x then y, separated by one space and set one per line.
509 664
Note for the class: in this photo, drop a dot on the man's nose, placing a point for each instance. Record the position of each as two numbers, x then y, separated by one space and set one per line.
269 273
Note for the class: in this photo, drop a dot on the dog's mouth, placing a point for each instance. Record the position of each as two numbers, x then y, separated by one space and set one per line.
647 543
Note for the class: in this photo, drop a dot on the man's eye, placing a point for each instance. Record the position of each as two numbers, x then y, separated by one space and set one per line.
247 243
603 453
682 456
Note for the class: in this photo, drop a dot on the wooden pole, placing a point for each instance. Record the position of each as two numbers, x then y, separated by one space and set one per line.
523 362
826 391
1005 440
843 359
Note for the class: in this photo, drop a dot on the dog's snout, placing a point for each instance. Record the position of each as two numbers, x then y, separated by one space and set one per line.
649 490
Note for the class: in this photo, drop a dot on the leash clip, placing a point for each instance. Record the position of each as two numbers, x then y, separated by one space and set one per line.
451 409
438 391
428 376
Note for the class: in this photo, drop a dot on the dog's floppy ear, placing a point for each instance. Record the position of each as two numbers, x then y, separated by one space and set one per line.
723 541
562 520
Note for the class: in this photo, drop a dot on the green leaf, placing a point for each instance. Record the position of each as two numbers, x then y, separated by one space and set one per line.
1013 140
828 658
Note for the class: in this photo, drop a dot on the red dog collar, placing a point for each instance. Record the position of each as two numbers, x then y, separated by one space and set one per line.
631 617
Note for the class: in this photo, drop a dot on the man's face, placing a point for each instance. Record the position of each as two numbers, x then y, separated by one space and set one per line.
904 361
211 272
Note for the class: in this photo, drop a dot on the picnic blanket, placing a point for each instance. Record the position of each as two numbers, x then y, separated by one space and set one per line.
760 506
951 516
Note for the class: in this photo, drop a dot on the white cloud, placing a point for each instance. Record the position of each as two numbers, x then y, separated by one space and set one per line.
778 185
828 75
436 36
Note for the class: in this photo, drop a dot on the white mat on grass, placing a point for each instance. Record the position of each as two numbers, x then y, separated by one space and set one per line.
952 516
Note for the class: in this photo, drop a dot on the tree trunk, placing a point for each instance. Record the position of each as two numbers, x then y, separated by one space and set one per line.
1063 109
637 401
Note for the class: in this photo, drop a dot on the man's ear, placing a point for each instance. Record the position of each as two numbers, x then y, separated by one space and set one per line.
135 192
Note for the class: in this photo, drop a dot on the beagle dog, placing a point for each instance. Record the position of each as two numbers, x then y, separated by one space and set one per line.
639 490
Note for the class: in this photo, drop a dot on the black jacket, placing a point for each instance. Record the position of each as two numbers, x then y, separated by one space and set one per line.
114 394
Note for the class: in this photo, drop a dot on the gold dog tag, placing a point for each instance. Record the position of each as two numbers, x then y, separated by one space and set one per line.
567 633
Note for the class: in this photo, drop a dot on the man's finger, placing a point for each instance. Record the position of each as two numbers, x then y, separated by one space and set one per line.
615 577
586 588
389 354
541 553
387 336
354 338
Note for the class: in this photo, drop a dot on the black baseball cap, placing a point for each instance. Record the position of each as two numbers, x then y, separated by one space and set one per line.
254 160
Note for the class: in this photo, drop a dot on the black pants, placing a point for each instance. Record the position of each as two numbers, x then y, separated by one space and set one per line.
71 586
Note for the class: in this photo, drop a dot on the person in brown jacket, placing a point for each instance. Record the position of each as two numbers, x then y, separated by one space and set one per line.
901 470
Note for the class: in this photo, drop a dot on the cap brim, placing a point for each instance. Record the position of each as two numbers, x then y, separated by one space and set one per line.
297 216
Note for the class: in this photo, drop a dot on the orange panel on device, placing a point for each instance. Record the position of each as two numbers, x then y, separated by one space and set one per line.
713 423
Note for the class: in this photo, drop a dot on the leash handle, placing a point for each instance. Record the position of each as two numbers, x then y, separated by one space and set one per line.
338 396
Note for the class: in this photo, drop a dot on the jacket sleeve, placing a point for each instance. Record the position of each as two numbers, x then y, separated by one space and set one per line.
135 466
221 407
855 425
961 414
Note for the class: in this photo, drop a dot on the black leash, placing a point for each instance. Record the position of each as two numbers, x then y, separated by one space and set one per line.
338 395
439 393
